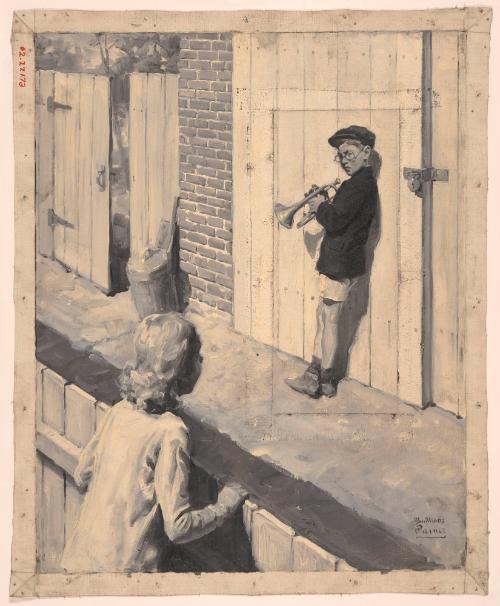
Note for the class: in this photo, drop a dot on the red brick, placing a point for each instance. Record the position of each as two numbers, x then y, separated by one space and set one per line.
214 163
207 172
220 291
199 85
224 97
219 45
187 245
188 54
225 116
199 104
225 306
196 217
201 284
186 186
208 210
224 76
216 243
187 74
186 204
205 229
208 74
224 234
224 195
218 125
225 136
205 251
196 179
199 65
207 275
225 56
198 142
207 94
188 131
215 222
207 152
224 257
224 175
200 45
195 237
198 123
217 183
188 268
223 280
206 191
218 86
224 214
211 55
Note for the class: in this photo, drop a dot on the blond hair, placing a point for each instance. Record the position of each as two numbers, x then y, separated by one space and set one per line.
166 353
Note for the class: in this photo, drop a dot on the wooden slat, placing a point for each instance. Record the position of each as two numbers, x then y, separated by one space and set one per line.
72 166
308 557
271 542
80 415
86 176
44 162
410 229
319 169
137 159
289 172
171 144
59 164
39 509
57 448
101 200
354 92
263 76
444 242
72 504
53 400
473 212
241 184
155 158
52 514
384 275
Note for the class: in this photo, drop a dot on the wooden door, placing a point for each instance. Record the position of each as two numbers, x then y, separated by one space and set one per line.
291 92
73 175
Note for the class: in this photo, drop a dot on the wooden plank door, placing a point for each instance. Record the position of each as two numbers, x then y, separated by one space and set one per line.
81 205
154 155
292 91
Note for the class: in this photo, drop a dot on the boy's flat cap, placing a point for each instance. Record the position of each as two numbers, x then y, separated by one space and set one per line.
358 133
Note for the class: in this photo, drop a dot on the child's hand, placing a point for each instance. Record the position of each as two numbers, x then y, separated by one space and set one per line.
233 493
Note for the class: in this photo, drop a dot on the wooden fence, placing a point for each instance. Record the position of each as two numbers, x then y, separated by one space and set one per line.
291 92
66 419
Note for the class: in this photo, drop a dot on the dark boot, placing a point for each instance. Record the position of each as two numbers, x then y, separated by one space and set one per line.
328 383
307 383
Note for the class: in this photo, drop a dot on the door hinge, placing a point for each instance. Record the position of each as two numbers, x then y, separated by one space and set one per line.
52 105
54 220
415 177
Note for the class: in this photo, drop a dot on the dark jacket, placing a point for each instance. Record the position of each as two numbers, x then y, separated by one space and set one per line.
347 223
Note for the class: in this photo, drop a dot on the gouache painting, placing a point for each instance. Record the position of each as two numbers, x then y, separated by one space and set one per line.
250 302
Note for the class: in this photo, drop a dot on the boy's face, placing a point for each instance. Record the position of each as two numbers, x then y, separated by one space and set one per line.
353 156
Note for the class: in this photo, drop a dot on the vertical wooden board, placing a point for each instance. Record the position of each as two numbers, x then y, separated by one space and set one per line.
137 161
85 176
319 169
384 275
308 557
72 505
354 71
39 392
80 415
261 154
39 509
444 242
52 516
59 164
359 354
44 162
410 228
242 245
263 70
155 159
354 85
249 508
53 400
385 269
101 199
320 58
474 120
271 542
72 166
171 144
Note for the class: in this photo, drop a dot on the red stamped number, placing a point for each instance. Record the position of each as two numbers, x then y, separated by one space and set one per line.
21 67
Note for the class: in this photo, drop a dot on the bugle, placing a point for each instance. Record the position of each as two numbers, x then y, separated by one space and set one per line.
285 214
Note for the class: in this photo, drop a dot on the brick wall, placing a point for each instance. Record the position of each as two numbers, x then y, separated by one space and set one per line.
205 115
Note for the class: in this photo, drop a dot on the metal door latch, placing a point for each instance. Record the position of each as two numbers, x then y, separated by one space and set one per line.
415 177
52 105
101 177
54 219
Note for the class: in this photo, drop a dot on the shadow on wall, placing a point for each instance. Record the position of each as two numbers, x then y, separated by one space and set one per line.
356 305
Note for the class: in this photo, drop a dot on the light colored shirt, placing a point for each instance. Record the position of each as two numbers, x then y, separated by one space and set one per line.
136 468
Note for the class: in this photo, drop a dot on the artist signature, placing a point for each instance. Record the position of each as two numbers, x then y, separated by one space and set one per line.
429 527
21 65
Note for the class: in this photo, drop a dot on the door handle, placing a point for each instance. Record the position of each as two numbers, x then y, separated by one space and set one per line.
101 177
